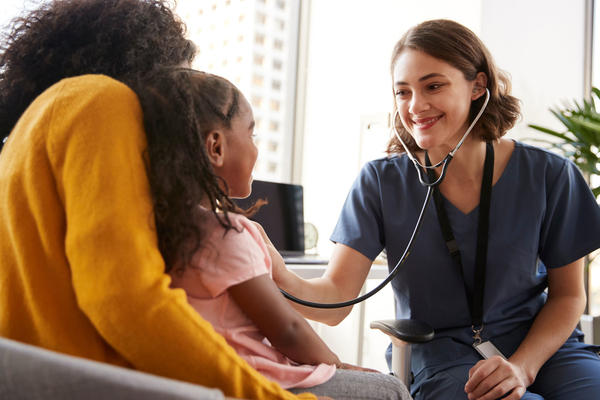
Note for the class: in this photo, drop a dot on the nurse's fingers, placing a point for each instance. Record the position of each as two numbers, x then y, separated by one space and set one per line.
480 371
493 378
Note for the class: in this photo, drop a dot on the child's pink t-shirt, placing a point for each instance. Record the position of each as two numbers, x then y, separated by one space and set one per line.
225 261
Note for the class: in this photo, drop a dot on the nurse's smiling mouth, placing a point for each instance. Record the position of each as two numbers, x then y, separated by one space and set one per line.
426 123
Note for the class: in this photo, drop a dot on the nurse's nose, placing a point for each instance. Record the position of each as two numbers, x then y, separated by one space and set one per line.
418 103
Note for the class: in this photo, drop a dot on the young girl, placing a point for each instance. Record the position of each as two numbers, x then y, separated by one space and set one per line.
542 220
214 252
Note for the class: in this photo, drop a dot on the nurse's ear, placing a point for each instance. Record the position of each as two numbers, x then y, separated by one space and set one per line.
479 85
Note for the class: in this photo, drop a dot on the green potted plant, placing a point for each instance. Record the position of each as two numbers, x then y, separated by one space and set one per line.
580 141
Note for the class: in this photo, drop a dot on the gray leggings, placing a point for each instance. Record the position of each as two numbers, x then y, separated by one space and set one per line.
355 385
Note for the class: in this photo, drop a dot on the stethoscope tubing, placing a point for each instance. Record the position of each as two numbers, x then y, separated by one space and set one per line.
391 275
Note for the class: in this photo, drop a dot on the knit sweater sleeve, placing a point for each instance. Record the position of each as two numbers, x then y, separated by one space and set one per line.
96 147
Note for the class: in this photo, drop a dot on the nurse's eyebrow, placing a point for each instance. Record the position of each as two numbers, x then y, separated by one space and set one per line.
421 79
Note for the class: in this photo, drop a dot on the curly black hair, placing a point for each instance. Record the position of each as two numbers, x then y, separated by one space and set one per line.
63 38
181 107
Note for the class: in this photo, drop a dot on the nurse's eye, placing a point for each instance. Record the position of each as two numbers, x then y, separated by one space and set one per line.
434 86
401 92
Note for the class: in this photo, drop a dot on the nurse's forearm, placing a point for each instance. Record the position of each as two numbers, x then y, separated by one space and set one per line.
320 290
551 328
555 321
342 281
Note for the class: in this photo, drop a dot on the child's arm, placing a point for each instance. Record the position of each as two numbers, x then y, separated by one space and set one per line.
285 328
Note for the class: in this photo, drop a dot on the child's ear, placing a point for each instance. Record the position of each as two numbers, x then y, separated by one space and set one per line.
215 148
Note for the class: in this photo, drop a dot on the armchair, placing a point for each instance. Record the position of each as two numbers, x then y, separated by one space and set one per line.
32 373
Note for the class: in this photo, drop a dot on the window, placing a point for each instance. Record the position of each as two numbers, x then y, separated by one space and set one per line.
592 75
272 146
259 59
243 52
257 81
259 38
257 102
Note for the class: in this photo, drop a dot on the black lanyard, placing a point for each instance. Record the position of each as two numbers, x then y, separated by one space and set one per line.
475 298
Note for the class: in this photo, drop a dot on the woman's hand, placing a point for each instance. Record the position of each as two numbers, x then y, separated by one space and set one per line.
356 368
491 379
276 260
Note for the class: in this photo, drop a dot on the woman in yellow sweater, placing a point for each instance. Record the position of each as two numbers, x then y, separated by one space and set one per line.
81 272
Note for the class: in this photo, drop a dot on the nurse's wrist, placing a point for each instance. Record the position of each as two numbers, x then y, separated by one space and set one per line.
527 371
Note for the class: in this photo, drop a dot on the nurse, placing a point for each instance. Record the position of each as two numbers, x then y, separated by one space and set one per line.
518 220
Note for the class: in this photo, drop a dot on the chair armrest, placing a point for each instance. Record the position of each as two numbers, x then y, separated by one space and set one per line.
407 330
403 332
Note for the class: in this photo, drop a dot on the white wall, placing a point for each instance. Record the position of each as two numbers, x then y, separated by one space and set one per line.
541 44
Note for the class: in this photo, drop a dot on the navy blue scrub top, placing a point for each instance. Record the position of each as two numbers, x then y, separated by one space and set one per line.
542 215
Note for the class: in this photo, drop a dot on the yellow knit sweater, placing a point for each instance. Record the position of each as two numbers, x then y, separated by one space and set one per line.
80 270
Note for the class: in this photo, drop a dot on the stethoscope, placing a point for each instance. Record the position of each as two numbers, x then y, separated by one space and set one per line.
429 185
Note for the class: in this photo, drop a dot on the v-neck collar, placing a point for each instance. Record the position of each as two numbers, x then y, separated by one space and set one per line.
473 213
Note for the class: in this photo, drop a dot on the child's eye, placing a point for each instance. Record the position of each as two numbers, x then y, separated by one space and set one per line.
401 92
434 86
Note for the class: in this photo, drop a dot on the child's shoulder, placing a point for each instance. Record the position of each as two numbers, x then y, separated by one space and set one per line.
241 229
237 221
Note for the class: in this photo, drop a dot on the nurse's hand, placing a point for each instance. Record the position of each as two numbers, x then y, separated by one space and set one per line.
276 260
491 379
357 368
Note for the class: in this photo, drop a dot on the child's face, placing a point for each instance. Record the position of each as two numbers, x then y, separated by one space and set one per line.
433 99
241 152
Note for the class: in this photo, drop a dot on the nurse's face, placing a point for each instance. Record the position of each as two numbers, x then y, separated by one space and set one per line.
433 99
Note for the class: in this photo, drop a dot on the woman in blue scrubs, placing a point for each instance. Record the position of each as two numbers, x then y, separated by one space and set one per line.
541 220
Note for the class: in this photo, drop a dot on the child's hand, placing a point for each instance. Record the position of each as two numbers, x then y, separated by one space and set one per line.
357 368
